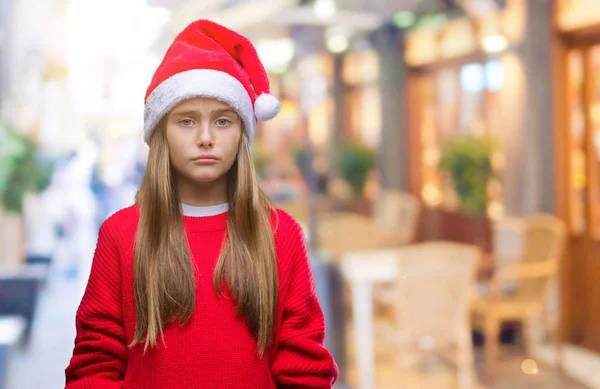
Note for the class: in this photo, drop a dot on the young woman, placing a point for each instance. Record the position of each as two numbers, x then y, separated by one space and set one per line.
201 284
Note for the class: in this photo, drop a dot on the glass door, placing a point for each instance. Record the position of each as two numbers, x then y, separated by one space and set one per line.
584 140
593 137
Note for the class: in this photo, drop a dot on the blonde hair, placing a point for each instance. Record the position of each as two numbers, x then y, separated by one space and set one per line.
164 277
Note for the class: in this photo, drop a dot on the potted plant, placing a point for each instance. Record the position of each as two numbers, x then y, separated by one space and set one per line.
468 162
355 162
23 170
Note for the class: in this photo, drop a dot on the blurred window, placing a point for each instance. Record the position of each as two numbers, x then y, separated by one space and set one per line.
578 165
454 100
584 139
494 76
472 78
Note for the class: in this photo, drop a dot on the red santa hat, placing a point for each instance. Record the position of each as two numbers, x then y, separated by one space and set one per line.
209 60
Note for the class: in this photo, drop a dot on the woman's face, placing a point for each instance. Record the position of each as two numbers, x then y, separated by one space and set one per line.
203 136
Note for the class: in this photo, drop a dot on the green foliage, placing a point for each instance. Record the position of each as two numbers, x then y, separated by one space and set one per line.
23 169
468 162
355 162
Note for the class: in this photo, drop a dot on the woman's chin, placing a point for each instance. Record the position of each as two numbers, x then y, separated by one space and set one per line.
204 174
205 180
206 177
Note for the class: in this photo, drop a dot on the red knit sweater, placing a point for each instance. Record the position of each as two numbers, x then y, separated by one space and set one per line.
216 348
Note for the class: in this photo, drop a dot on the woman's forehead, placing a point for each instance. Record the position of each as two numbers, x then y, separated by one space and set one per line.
201 103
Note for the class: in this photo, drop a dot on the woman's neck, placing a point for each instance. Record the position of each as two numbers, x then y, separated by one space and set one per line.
202 194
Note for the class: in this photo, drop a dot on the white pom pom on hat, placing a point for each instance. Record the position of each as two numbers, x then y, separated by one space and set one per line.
266 107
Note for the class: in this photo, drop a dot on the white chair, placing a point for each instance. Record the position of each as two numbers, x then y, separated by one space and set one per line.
508 238
527 281
433 285
508 234
434 288
398 213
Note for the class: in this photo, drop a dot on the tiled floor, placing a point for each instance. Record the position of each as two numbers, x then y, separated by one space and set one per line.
511 373
510 376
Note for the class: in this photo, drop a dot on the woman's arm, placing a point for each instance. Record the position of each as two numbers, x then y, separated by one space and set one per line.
100 354
301 359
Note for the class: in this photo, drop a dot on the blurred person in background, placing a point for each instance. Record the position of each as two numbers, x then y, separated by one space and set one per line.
44 214
77 209
116 178
202 283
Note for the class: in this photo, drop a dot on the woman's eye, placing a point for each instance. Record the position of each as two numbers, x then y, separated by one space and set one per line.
223 122
186 122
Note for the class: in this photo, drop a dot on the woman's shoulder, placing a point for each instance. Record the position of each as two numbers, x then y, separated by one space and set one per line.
122 222
284 223
286 228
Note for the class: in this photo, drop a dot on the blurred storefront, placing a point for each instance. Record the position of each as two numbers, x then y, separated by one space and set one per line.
577 153
468 77
527 75
404 89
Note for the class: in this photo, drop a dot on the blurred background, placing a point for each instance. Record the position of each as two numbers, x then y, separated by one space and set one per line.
443 157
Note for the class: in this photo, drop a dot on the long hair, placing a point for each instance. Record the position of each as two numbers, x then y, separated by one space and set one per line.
164 279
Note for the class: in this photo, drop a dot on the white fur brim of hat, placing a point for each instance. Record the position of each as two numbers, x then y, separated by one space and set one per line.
211 84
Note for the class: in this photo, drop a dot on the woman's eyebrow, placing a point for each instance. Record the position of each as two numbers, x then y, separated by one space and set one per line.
221 111
187 112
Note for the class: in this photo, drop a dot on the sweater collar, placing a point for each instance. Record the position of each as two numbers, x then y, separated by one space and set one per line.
205 218
203 211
